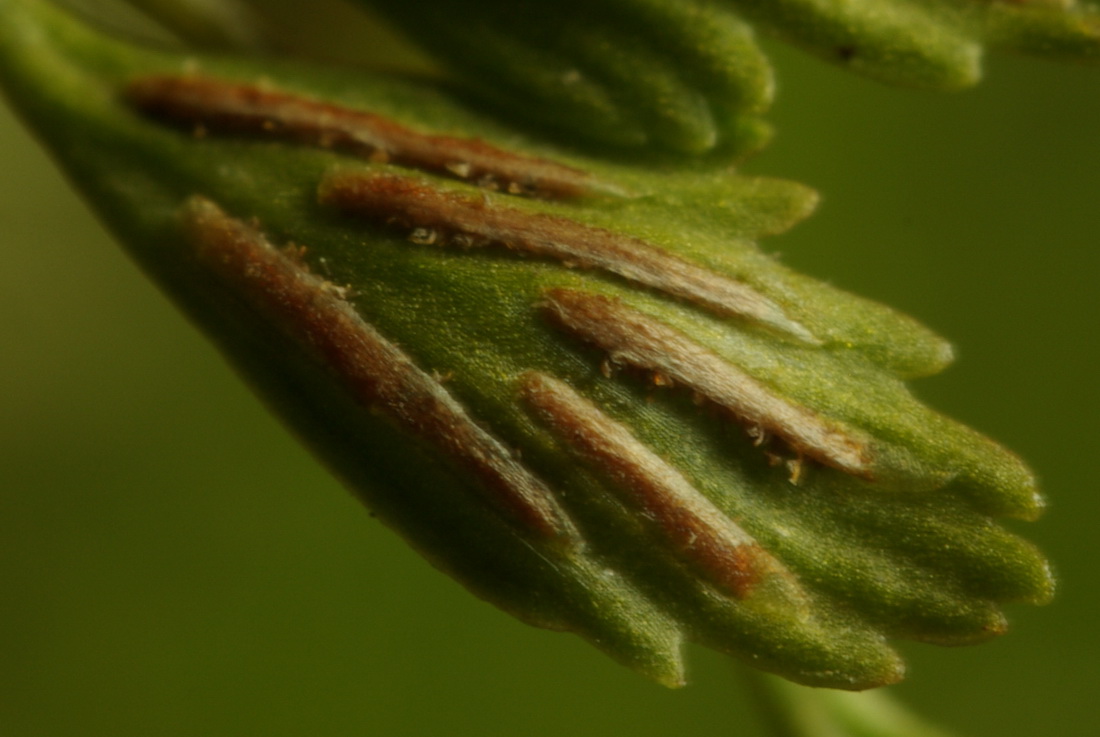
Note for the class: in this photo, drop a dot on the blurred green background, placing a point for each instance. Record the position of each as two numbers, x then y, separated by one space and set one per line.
172 563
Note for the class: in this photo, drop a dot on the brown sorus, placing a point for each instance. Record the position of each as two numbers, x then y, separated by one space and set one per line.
434 215
635 339
216 107
696 531
376 373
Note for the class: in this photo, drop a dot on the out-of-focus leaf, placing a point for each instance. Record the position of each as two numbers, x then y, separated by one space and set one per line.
688 75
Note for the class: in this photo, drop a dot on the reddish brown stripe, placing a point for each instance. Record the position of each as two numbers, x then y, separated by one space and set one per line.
222 107
377 373
698 532
441 216
632 337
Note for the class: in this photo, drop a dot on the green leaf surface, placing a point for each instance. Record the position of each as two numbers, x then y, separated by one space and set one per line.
580 388
688 75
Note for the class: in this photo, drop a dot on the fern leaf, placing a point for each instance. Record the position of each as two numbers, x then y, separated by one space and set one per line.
580 388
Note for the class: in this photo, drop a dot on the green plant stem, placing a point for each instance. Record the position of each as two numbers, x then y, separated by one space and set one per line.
790 710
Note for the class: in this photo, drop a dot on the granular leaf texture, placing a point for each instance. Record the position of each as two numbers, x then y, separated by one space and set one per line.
580 388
